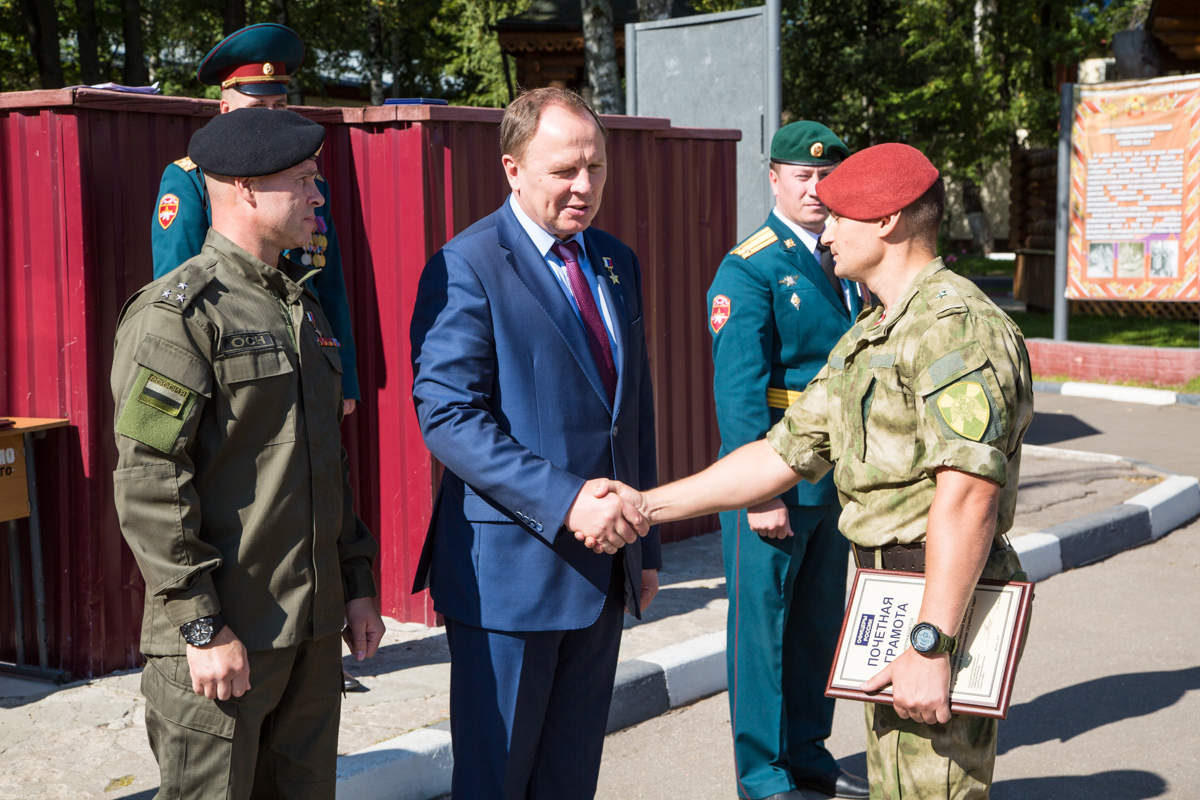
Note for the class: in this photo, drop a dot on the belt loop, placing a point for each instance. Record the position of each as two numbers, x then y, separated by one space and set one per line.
878 557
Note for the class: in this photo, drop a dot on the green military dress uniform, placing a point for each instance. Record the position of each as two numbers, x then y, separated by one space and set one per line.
181 222
941 380
232 490
256 60
775 315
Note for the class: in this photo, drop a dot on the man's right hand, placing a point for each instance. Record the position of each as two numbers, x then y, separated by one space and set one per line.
770 519
221 668
602 520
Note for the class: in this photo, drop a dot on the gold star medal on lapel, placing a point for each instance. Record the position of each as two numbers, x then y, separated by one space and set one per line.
789 280
608 265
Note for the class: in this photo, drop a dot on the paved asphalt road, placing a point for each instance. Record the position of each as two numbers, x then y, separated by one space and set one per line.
1107 697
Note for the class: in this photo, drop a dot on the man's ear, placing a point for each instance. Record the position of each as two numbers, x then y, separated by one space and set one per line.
511 170
890 226
246 189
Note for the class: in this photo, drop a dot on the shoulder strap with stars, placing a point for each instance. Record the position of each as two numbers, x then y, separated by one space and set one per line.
756 242
943 298
180 288
186 164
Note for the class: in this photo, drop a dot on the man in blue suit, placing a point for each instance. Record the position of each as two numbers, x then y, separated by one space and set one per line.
776 310
532 387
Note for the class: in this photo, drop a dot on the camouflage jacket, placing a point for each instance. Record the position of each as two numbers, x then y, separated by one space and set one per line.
942 381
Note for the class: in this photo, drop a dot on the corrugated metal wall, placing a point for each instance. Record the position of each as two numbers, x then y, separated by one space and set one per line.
79 174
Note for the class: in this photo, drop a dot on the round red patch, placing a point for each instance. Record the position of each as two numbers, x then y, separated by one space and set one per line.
168 209
721 310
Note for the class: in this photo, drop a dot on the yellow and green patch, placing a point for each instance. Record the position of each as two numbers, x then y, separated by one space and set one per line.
965 409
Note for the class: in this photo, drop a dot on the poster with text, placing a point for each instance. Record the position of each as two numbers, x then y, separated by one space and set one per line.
1135 191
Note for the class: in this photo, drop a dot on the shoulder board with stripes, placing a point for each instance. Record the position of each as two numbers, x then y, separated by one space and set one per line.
757 242
186 164
320 177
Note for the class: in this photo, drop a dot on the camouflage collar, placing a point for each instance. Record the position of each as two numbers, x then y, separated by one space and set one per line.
899 309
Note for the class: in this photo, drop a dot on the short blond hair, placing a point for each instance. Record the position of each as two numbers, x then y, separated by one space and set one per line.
522 116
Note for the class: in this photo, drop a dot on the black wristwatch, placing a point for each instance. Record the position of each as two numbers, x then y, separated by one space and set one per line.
200 632
927 640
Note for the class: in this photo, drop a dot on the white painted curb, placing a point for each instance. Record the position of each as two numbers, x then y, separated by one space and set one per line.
1042 451
693 669
415 766
1172 503
1040 554
1123 394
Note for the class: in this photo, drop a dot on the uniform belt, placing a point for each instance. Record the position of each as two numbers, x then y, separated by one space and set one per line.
781 398
902 557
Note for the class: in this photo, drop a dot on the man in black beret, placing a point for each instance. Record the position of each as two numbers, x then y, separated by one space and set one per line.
232 484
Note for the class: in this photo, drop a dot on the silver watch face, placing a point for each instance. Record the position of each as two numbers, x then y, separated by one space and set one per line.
924 638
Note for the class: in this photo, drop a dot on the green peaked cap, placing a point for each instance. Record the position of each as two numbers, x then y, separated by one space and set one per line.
807 143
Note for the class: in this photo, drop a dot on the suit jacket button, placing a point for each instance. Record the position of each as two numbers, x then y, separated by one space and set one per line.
537 526
616 431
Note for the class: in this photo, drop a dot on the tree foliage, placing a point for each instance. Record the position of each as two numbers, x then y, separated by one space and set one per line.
963 80
435 48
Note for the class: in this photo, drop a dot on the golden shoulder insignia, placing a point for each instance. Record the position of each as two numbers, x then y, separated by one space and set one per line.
789 243
964 407
186 164
757 242
320 177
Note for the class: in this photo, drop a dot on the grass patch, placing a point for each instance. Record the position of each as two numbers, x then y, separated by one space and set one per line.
1144 331
1191 387
967 264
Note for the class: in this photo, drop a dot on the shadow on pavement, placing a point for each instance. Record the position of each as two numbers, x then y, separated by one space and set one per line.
402 655
144 794
1054 428
1126 784
1066 713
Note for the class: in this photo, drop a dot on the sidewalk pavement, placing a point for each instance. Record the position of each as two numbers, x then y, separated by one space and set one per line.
88 740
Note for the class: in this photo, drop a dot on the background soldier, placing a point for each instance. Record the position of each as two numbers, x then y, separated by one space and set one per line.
776 312
232 486
922 406
253 66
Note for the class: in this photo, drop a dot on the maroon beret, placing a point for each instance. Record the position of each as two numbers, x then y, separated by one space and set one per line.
877 181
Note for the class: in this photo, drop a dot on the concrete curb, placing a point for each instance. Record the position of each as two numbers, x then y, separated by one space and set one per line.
1121 394
417 765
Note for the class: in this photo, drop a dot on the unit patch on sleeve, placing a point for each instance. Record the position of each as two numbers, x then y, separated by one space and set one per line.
168 209
721 309
244 342
965 409
155 411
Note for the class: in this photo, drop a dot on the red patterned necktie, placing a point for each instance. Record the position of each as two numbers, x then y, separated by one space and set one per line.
592 321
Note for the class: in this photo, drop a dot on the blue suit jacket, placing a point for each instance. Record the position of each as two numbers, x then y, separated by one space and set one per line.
510 401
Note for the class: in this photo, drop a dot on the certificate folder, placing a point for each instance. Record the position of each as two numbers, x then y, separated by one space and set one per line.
882 610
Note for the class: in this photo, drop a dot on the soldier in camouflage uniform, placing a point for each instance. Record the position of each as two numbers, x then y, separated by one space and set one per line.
920 412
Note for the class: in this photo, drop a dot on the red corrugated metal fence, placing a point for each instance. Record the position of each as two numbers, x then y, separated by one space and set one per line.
79 172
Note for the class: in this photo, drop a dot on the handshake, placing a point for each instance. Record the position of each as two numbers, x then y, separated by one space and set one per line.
607 515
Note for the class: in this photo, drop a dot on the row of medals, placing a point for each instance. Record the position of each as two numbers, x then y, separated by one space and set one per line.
314 251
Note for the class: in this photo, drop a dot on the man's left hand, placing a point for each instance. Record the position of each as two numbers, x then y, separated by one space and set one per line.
920 686
364 627
348 406
649 588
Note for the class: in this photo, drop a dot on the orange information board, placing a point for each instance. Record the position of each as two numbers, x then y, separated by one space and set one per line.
1135 191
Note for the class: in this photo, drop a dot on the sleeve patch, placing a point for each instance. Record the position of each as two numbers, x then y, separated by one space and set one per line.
155 411
966 410
168 210
721 309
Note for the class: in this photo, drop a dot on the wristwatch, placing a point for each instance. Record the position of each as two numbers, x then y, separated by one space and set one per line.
200 632
928 640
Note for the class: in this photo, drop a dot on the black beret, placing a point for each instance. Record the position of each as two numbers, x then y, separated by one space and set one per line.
249 142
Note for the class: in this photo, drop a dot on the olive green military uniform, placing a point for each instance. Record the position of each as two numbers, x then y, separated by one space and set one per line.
232 491
940 380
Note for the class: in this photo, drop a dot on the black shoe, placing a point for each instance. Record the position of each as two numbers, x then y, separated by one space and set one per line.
792 795
838 783
351 684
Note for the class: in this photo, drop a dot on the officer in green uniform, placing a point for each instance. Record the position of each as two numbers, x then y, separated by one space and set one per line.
253 66
775 313
232 485
920 412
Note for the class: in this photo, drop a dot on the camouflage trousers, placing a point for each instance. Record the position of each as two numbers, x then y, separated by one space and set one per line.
951 761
